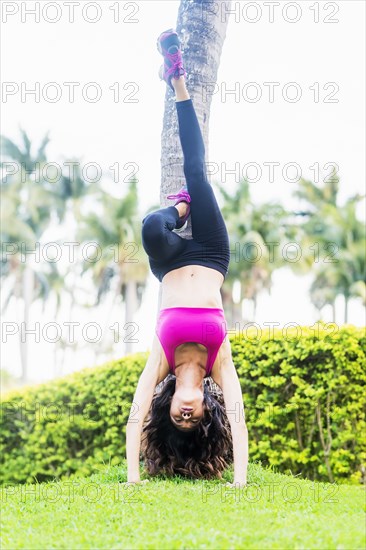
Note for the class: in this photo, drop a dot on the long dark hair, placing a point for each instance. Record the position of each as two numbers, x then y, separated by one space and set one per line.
201 453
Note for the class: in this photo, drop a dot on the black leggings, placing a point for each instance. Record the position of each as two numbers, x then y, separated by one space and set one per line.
209 245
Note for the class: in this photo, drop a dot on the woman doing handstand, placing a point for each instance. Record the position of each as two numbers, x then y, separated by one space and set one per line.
189 430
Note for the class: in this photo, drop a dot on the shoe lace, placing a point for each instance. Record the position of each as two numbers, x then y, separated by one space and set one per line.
176 62
183 194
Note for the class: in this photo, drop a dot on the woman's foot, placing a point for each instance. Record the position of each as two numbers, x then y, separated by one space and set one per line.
184 211
168 45
183 199
183 208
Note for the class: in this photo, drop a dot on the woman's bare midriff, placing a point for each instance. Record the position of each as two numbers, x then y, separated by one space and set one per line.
192 286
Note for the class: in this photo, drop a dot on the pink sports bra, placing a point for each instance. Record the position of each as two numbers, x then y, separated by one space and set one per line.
202 325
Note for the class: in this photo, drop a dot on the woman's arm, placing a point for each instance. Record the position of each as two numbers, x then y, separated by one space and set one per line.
234 406
149 378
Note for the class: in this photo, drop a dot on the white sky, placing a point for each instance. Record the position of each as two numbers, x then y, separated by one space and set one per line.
305 132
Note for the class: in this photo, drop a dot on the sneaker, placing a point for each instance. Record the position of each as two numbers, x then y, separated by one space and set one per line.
168 45
181 196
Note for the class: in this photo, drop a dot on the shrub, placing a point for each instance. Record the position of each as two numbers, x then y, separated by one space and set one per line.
71 425
303 399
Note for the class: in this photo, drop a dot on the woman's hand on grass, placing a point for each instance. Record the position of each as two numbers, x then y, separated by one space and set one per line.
136 482
238 484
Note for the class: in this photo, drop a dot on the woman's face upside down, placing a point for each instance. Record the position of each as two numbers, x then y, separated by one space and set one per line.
186 409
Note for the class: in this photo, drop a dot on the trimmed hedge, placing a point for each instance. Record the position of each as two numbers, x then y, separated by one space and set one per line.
304 395
74 424
303 398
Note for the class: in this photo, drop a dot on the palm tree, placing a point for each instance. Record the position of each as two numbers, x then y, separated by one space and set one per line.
26 205
117 230
72 190
323 291
340 237
70 195
202 34
253 230
29 203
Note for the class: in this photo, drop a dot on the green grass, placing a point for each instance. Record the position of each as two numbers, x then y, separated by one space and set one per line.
275 511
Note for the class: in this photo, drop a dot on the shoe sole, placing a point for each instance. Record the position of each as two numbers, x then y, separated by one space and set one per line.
168 32
161 76
158 42
181 228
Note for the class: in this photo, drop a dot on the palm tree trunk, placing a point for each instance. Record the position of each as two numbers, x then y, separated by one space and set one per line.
333 312
227 302
237 314
254 306
27 289
202 35
130 308
346 298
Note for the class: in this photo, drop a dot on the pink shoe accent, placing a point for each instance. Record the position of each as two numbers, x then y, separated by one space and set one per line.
176 70
182 196
168 44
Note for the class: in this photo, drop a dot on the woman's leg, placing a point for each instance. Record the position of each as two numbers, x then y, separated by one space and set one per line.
158 239
208 226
